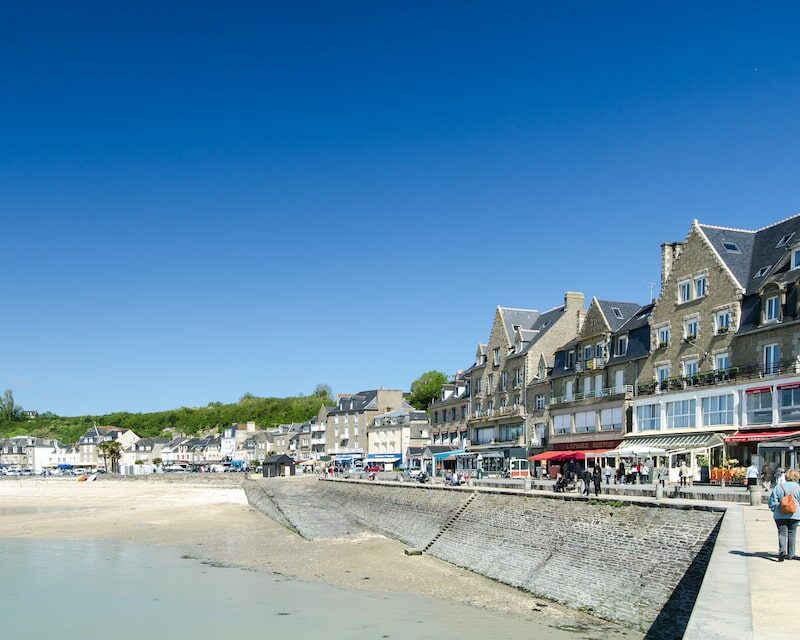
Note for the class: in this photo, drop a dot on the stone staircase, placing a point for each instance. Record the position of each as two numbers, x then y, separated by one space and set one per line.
456 515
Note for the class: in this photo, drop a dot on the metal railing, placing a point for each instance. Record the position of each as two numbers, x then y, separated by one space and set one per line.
725 376
597 393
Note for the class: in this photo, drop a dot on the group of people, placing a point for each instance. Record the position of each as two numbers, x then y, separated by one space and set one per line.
631 473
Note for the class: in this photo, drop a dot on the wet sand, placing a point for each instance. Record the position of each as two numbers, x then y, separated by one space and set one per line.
211 520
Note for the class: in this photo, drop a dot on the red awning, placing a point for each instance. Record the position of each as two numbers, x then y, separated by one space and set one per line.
569 455
759 390
790 385
759 436
545 455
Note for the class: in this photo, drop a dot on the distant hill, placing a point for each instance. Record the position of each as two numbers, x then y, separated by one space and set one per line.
265 412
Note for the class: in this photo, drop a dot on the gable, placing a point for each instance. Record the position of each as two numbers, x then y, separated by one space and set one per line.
595 322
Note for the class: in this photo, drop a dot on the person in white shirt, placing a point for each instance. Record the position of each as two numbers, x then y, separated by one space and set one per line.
752 474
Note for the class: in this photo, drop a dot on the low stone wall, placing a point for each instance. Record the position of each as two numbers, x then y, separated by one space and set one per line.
638 564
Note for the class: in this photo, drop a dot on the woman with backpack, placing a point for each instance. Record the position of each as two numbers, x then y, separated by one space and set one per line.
785 504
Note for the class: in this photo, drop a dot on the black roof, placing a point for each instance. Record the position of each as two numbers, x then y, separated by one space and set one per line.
280 457
626 310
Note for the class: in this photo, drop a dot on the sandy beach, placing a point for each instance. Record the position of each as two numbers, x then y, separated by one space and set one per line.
210 519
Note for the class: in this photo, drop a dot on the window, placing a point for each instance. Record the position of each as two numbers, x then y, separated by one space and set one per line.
496 356
503 381
611 419
723 321
795 258
771 354
570 360
681 414
598 350
648 417
663 337
490 383
784 241
617 312
684 291
435 417
700 287
540 402
690 368
717 410
561 424
517 399
478 408
490 405
722 362
759 406
771 309
731 247
569 390
463 412
584 422
503 402
690 329
477 385
510 433
453 413
622 345
761 272
517 377
790 404
587 353
484 435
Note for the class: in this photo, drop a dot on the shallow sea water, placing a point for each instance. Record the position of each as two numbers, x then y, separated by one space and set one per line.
95 589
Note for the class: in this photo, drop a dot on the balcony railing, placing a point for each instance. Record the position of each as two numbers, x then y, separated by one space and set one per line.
510 410
726 376
597 393
317 440
595 363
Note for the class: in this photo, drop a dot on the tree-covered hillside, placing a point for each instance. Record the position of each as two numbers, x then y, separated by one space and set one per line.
265 412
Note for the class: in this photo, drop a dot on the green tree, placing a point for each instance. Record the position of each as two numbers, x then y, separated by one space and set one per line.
323 391
425 388
110 450
9 410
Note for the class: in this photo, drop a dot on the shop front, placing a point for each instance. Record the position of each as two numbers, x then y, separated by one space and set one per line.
766 445
702 452
385 460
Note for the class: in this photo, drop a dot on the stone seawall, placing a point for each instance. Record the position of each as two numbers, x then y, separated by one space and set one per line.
637 564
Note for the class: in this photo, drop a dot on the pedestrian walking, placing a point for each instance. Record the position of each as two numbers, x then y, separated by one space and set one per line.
780 477
785 504
587 481
662 474
621 473
597 480
608 471
767 476
752 474
683 471
644 472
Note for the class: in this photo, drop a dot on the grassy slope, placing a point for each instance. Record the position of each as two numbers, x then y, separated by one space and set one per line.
265 412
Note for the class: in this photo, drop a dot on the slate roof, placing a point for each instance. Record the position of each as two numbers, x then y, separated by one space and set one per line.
757 249
513 318
638 330
637 320
627 309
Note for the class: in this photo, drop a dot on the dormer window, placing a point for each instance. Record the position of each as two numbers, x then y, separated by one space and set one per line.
587 353
761 272
617 312
622 345
771 309
784 241
496 356
795 258
570 360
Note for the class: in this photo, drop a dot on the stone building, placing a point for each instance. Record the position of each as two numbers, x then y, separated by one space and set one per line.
449 412
88 442
593 378
390 435
499 425
346 423
724 362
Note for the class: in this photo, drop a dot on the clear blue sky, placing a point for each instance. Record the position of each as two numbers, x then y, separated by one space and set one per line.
203 200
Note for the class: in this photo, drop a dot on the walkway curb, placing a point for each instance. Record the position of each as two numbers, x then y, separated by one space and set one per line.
723 609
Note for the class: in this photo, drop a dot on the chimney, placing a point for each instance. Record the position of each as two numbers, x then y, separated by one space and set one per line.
573 300
669 254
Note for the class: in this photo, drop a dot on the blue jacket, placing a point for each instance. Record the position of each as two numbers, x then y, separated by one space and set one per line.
775 498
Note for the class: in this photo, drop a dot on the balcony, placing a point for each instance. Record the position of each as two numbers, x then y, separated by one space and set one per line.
317 441
595 363
502 412
727 376
626 389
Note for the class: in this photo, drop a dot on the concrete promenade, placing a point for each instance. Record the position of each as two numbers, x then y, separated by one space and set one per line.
746 592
